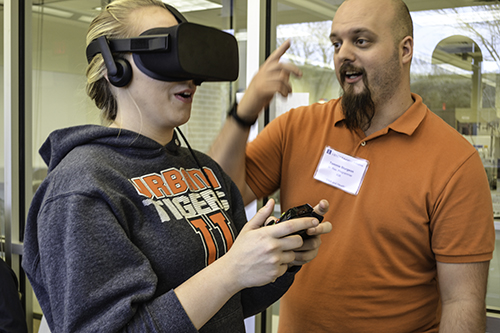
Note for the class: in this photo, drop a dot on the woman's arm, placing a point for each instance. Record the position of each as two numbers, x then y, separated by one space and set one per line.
258 256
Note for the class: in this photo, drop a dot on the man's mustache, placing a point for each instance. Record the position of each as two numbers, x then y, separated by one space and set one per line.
349 68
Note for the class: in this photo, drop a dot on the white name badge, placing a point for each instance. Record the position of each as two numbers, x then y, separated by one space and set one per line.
342 171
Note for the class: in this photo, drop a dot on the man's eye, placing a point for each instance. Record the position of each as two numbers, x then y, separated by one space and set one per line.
361 41
336 45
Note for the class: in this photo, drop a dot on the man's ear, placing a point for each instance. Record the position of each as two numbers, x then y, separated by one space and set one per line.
406 48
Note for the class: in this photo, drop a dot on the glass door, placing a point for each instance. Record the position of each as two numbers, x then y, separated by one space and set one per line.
58 30
455 68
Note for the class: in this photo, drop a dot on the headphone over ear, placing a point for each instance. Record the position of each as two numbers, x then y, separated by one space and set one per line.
119 70
123 75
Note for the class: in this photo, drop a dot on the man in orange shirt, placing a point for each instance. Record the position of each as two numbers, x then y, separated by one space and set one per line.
409 200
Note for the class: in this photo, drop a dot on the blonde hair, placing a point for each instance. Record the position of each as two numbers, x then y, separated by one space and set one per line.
114 21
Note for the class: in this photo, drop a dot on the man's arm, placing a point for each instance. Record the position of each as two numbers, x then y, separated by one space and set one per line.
228 148
463 293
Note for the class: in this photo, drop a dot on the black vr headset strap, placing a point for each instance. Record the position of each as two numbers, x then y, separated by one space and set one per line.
102 44
119 71
135 44
178 16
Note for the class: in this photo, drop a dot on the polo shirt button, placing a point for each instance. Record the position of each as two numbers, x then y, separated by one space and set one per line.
363 143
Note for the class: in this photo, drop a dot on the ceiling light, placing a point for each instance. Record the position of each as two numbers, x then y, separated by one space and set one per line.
86 18
322 8
51 11
192 5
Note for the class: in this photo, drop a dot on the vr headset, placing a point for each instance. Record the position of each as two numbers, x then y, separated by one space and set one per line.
186 51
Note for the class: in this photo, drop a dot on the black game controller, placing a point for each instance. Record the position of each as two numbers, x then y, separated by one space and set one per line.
297 212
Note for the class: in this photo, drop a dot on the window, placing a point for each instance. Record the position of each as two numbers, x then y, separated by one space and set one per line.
455 68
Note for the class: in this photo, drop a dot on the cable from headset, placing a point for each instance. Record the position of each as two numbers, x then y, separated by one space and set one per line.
201 168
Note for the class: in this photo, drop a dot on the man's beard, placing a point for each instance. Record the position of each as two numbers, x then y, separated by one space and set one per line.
358 108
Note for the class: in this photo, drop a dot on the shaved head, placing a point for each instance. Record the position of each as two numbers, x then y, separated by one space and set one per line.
402 22
401 25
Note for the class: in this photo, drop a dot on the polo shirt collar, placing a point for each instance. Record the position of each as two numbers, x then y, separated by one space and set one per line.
407 123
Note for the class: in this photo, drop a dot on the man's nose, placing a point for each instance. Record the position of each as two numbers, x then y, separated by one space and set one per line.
345 53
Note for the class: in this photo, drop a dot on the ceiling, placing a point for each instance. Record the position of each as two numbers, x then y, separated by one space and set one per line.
289 11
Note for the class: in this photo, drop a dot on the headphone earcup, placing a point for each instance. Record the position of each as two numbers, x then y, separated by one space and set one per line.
123 75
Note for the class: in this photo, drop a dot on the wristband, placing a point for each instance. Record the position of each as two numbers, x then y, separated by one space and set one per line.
242 122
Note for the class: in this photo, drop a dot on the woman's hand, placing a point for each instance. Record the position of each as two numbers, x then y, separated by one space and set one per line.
310 248
259 254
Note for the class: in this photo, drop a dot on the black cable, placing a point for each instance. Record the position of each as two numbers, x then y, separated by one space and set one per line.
200 166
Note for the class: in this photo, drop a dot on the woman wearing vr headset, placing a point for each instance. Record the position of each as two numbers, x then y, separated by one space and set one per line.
130 231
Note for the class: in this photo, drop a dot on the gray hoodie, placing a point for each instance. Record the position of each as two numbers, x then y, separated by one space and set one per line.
119 222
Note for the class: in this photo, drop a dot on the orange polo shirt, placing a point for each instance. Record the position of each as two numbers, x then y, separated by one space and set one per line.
424 198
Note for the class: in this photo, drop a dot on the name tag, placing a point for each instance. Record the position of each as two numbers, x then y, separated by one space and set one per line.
342 171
